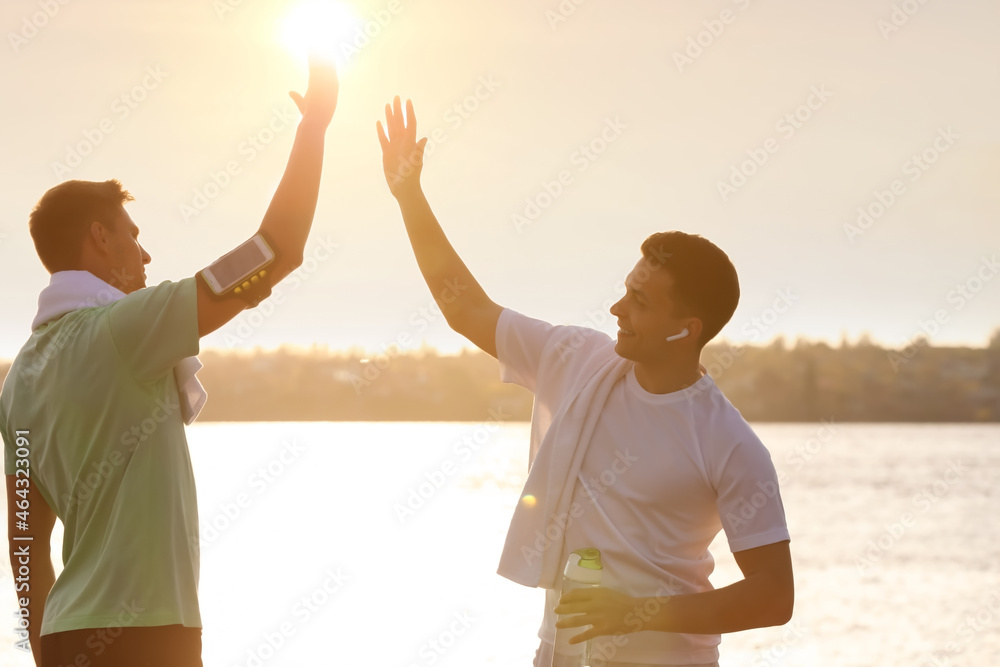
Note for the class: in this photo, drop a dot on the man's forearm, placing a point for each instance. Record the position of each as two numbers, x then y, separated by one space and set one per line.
40 587
448 278
289 217
35 590
755 602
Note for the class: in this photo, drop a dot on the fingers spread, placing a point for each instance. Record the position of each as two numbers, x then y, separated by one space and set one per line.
411 123
389 126
397 115
382 139
419 157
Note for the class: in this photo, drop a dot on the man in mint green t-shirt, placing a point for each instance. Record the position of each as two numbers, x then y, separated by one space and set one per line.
92 415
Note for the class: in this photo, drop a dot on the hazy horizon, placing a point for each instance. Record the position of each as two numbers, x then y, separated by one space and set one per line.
762 126
239 349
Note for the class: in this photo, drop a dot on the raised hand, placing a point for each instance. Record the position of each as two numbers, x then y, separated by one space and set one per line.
402 154
320 100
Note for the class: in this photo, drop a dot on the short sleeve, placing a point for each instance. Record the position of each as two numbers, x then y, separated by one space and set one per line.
529 349
520 343
749 500
155 327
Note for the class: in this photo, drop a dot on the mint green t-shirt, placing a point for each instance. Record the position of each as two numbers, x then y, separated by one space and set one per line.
95 389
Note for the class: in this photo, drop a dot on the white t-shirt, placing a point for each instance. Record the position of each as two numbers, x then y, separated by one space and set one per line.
661 476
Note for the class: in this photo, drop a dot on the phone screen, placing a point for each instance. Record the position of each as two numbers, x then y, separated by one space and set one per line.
231 268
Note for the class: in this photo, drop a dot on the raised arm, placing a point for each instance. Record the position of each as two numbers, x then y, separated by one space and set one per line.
289 217
464 303
30 560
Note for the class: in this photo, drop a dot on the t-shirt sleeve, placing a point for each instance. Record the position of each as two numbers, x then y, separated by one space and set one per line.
521 340
155 327
749 500
560 354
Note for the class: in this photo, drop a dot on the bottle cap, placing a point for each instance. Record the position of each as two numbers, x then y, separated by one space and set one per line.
584 566
590 558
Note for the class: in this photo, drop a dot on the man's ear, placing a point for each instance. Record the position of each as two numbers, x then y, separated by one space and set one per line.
100 236
694 326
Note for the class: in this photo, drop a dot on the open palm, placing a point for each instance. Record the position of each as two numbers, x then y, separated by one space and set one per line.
320 101
402 154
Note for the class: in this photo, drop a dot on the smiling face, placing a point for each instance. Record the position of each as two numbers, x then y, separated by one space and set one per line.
126 258
648 314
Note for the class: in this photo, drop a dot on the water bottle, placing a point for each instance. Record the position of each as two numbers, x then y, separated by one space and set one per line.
583 570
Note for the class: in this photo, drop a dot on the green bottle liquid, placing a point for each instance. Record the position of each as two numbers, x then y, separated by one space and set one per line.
583 570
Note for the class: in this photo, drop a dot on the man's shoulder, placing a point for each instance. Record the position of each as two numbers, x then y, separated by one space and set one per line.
50 338
562 340
163 308
722 422
558 358
185 287
581 344
71 342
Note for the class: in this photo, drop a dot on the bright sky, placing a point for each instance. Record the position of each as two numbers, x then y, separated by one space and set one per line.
651 112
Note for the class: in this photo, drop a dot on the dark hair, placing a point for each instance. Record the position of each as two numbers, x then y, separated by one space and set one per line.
705 281
61 218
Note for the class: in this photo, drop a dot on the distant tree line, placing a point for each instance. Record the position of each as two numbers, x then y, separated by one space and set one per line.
779 382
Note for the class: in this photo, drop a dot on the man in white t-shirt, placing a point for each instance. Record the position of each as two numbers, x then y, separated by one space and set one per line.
632 443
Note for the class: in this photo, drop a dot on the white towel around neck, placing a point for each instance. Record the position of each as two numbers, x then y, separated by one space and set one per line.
540 520
71 290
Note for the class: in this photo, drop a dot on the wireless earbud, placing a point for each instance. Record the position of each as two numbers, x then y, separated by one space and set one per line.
683 333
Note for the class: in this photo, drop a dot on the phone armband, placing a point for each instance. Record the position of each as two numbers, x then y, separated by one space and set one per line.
242 272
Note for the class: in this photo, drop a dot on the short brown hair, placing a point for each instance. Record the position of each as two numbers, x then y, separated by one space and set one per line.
60 220
705 281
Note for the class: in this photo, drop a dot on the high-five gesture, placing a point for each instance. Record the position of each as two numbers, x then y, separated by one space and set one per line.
461 299
402 154
320 100
289 218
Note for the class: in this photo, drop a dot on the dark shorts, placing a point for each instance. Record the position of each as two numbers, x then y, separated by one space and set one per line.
544 657
160 646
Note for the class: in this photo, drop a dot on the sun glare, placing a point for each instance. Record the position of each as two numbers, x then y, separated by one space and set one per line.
321 28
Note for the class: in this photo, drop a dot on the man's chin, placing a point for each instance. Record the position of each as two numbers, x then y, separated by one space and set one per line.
623 351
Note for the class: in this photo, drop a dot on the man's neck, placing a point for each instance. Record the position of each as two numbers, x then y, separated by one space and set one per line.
668 378
97 272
